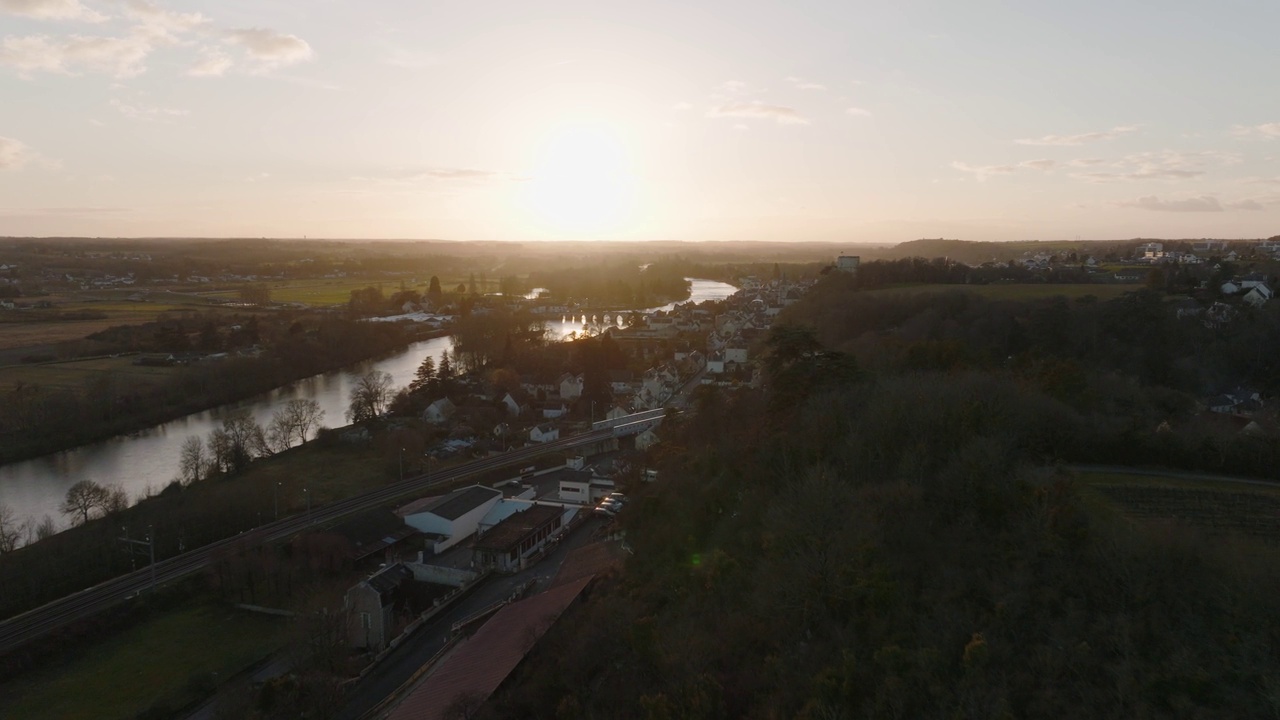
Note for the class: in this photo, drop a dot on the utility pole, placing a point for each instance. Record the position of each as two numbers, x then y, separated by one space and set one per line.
275 499
401 464
307 495
150 542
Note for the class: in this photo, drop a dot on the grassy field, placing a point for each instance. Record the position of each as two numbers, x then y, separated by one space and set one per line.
166 659
1029 291
1217 508
77 376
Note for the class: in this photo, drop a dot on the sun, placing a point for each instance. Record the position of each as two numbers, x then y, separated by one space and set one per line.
581 184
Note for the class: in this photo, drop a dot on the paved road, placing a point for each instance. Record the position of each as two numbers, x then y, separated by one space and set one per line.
400 664
1179 474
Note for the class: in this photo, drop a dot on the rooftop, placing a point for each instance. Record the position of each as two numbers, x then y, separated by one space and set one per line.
517 527
459 502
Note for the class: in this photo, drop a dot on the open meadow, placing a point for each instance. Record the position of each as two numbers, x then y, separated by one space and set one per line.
1216 508
181 654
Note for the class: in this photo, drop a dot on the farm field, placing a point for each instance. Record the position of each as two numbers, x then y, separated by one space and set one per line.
1028 291
79 375
60 324
180 653
1216 508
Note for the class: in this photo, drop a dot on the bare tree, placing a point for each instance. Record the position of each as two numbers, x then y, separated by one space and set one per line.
195 460
83 499
237 442
116 500
295 420
370 396
45 529
12 532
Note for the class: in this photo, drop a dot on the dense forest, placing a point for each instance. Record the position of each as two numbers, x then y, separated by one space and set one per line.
884 531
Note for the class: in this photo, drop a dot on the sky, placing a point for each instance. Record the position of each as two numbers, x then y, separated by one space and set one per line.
843 121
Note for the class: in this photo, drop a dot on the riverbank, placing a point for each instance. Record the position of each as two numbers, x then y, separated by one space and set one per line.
179 391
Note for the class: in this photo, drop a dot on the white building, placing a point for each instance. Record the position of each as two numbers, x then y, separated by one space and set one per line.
451 519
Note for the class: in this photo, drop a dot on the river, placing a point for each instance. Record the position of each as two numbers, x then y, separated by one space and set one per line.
148 460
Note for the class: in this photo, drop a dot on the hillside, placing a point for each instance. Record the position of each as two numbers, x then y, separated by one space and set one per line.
892 541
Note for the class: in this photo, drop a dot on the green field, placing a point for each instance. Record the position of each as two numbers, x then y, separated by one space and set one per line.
1028 291
79 376
171 659
1214 507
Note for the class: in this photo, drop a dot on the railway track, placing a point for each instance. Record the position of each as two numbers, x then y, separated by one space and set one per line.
33 624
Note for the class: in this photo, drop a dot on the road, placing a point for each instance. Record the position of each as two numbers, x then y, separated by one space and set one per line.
1178 474
405 660
21 629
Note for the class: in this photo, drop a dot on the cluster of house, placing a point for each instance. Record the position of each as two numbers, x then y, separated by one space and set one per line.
1254 286
455 539
1154 252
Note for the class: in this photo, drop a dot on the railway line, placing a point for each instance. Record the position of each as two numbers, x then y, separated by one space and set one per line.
33 624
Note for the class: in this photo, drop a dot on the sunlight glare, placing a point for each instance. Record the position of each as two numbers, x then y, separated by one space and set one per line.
581 184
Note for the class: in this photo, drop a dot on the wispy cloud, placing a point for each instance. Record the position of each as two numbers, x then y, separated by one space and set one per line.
778 113
52 10
269 49
1263 181
213 63
119 57
151 113
440 175
1045 165
163 23
857 112
982 172
1203 203
1081 139
802 84
1168 165
13 154
682 106
1269 131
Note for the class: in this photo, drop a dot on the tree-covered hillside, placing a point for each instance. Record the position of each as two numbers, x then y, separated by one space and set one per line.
883 533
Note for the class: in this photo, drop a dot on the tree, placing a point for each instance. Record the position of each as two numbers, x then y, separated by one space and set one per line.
194 463
370 396
45 529
471 284
237 442
434 293
462 288
83 499
293 421
115 501
11 531
425 374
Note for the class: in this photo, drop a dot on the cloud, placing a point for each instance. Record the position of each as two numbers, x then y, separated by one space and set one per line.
682 106
1087 162
802 84
465 176
1045 165
1080 139
1263 181
213 63
1204 203
163 23
1269 131
51 10
1246 204
778 113
13 154
982 172
1151 174
120 57
734 87
857 112
151 113
740 126
270 49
